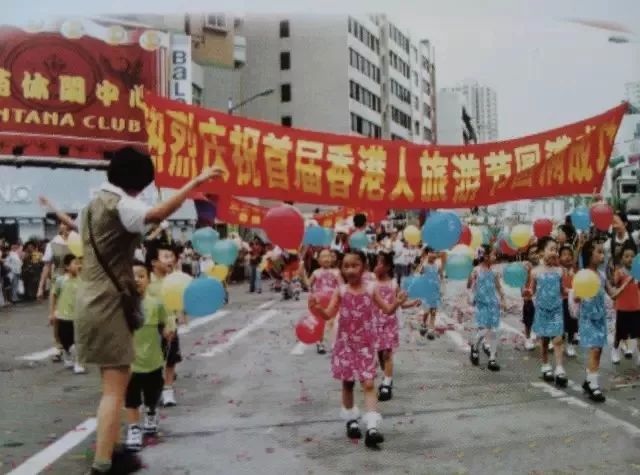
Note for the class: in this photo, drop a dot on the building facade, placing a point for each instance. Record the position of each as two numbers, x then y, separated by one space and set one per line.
481 103
632 93
455 125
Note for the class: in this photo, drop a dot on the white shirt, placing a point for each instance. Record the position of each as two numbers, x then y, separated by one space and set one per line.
48 250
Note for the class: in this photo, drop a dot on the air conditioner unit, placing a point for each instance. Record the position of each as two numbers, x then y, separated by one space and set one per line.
216 22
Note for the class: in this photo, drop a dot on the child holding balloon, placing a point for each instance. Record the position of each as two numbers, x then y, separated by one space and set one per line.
488 299
354 353
325 281
627 304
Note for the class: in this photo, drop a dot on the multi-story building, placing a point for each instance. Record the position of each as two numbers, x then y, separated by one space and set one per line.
482 104
455 125
342 74
632 93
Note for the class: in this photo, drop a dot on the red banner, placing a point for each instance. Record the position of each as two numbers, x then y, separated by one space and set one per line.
83 94
329 219
235 211
264 160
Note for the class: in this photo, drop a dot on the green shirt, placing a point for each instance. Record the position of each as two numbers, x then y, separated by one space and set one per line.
147 341
66 289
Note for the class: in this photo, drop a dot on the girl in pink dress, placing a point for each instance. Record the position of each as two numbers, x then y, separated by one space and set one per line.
354 353
325 281
387 327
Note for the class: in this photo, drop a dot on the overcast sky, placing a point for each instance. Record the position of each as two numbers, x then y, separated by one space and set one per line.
546 70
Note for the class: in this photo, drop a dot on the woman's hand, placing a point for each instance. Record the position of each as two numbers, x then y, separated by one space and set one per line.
209 174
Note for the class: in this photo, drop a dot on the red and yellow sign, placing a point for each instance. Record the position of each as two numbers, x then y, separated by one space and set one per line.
330 219
82 93
235 211
264 160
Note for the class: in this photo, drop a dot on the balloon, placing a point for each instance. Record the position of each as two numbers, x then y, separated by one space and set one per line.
173 288
309 329
515 275
487 235
458 267
581 218
218 272
204 239
406 282
635 268
586 284
203 297
315 236
520 235
412 235
602 216
225 252
442 230
477 237
358 240
462 250
465 235
323 299
506 249
284 226
422 288
542 227
74 243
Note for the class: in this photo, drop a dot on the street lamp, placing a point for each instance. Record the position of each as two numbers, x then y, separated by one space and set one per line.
231 107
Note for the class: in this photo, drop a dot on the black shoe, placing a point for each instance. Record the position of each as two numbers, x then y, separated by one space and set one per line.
548 376
595 394
431 335
321 349
423 330
124 462
628 354
561 380
487 350
385 393
353 429
474 356
493 365
373 438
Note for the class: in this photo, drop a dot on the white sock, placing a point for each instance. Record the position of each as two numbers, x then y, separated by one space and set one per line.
372 419
386 381
592 379
350 414
480 335
493 337
546 367
559 371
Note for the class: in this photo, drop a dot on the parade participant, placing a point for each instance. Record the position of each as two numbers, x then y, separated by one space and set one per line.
567 264
387 326
434 274
488 298
528 307
146 380
255 277
62 313
291 286
325 280
354 353
627 304
111 226
548 322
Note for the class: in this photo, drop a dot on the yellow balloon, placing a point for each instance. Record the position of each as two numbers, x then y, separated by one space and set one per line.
476 237
173 288
74 243
462 249
218 272
520 235
412 235
586 284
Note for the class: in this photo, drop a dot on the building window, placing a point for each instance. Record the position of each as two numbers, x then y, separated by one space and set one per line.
416 103
196 95
415 79
216 22
285 61
286 120
363 35
416 127
428 135
401 118
362 64
285 92
284 29
364 96
364 127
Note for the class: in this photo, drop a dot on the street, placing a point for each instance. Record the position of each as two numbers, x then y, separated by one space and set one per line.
252 400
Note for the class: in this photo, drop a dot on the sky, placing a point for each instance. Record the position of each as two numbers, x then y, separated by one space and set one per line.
546 70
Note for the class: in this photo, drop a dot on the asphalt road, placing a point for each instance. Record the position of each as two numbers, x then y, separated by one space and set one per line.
253 400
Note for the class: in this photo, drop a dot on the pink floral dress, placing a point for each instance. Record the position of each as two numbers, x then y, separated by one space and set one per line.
354 353
325 281
387 327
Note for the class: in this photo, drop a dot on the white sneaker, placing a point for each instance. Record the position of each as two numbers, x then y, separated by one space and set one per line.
529 344
67 359
570 350
615 355
168 397
550 347
134 438
79 369
150 423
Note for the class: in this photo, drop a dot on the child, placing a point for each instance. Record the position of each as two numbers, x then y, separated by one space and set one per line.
528 308
387 327
353 357
567 262
485 284
433 274
546 286
291 286
325 280
63 303
145 385
627 304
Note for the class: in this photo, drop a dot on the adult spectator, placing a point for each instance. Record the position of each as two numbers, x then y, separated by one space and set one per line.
255 258
14 264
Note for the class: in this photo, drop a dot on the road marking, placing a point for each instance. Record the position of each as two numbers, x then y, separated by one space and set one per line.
53 452
298 350
266 305
261 320
198 322
39 355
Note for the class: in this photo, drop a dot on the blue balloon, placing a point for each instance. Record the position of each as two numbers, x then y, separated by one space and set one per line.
225 252
423 288
317 236
486 236
204 239
442 230
581 218
458 267
203 297
635 267
359 240
515 275
406 282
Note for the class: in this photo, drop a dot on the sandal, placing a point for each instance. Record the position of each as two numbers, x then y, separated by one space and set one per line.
548 376
561 380
493 365
373 438
353 429
385 392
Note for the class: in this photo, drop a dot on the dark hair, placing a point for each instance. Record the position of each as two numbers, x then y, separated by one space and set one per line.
564 248
357 252
139 263
587 251
130 169
545 240
67 260
427 250
387 261
568 229
153 251
359 220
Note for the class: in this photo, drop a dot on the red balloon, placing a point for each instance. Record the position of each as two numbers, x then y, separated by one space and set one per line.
309 329
506 249
465 235
542 227
323 299
284 226
602 216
